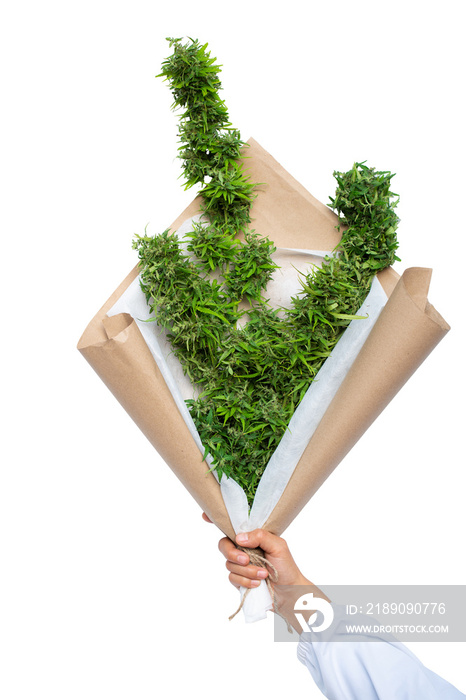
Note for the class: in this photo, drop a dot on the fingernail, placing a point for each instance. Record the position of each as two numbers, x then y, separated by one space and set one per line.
242 559
262 573
255 583
242 537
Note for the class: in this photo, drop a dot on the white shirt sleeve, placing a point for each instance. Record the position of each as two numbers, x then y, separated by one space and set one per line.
368 669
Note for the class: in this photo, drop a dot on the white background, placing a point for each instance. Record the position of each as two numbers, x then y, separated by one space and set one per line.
111 584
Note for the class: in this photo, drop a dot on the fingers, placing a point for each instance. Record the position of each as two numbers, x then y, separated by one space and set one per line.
231 552
242 581
206 518
277 553
247 576
242 573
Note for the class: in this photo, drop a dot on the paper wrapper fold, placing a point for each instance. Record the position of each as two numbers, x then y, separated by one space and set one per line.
406 331
125 365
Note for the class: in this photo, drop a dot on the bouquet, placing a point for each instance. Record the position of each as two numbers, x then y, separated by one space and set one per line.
254 362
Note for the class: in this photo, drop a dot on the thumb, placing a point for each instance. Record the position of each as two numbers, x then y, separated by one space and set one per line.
271 544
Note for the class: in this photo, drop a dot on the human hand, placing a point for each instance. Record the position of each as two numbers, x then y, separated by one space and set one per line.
276 551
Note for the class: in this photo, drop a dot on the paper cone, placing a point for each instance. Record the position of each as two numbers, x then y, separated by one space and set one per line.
405 333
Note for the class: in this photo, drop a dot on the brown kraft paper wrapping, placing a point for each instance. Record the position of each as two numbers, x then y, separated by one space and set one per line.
124 363
407 330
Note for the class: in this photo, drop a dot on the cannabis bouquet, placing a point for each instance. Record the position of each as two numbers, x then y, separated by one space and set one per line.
259 372
253 375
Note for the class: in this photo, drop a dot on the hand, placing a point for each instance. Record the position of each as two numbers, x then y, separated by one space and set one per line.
242 573
276 551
